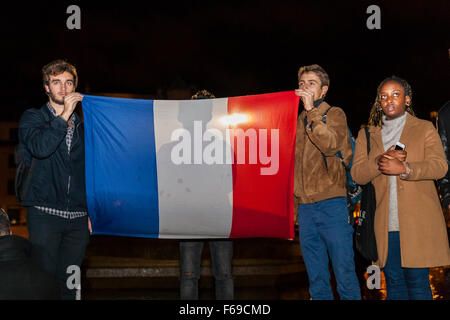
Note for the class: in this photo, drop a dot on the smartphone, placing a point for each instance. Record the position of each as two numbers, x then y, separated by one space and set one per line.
399 146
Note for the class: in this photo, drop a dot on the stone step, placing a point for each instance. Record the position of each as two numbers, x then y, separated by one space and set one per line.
130 262
116 267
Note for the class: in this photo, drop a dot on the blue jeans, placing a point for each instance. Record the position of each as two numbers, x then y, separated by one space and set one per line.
190 264
57 244
323 230
404 283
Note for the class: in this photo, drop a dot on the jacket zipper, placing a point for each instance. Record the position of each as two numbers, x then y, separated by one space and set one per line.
303 158
68 153
68 190
68 186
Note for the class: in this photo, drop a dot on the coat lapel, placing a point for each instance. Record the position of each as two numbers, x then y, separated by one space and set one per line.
408 129
375 138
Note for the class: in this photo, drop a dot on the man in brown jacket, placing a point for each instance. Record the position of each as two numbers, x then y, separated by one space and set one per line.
319 185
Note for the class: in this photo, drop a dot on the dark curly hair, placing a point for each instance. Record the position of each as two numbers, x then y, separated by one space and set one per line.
57 67
203 94
376 113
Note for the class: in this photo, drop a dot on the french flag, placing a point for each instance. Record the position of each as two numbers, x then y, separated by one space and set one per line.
186 169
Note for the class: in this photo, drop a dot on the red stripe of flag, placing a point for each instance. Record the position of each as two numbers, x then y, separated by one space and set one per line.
263 204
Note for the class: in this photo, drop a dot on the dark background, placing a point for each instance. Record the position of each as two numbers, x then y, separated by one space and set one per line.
231 48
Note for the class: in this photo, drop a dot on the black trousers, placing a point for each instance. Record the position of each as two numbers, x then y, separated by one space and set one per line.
58 243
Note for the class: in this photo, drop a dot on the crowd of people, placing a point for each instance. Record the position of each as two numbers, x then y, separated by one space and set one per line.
410 229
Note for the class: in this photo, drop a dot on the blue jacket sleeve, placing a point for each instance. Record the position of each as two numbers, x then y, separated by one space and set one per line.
41 140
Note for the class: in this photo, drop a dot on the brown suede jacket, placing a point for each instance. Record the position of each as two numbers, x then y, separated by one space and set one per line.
312 180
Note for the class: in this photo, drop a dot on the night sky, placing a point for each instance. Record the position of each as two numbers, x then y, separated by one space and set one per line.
231 48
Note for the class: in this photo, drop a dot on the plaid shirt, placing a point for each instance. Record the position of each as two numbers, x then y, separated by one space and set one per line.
56 212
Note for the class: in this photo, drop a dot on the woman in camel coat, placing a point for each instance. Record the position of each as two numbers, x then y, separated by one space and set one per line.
410 229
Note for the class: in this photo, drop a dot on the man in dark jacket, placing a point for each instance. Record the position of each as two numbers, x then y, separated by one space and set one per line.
444 133
21 278
54 192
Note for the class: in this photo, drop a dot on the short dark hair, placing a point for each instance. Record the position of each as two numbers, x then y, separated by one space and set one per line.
318 70
5 226
57 67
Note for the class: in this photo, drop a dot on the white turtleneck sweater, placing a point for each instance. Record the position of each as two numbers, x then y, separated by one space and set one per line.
390 134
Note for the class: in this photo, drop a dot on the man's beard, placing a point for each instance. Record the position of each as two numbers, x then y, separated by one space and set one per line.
54 99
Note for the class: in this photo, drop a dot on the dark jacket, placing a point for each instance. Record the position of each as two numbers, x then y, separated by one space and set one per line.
20 277
58 178
444 133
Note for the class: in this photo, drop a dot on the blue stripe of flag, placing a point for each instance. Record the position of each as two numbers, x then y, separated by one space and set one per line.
121 175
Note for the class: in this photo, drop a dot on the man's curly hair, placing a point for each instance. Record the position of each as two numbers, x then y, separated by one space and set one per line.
57 67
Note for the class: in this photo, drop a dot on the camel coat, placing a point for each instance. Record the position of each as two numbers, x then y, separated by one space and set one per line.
423 233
